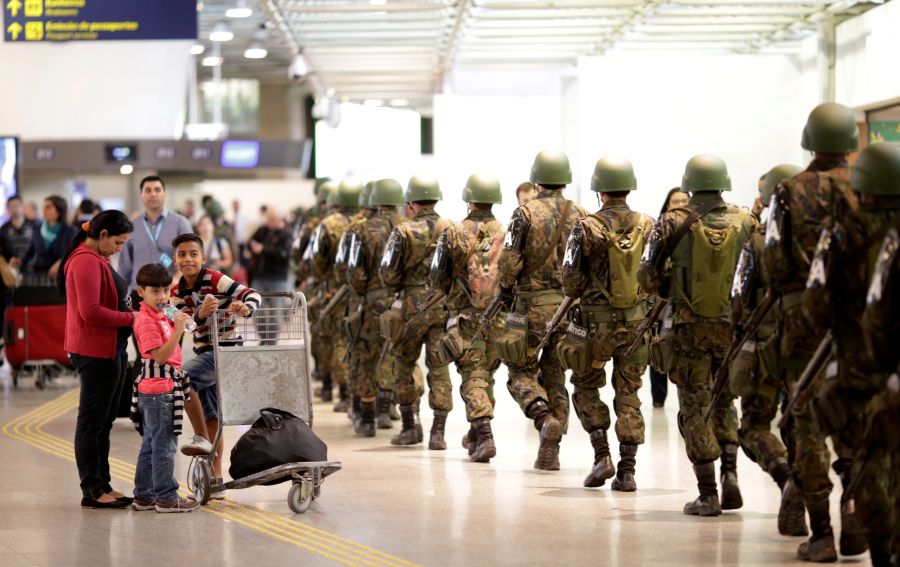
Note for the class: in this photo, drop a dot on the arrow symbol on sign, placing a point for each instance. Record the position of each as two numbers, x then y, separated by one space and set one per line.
14 6
14 30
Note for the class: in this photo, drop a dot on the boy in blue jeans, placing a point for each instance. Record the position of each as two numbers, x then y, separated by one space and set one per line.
160 395
195 295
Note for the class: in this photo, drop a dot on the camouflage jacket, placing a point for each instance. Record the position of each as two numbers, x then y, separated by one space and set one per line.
587 275
458 243
669 272
801 207
366 249
407 255
357 221
325 243
526 263
304 235
844 261
881 318
751 281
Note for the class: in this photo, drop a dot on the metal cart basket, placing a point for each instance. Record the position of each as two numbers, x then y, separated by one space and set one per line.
270 367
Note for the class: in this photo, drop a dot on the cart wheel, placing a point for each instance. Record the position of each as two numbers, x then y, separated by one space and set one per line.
300 496
201 477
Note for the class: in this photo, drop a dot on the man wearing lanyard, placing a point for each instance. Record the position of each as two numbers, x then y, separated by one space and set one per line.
154 231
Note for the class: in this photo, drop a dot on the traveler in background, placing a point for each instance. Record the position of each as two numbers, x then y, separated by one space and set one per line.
217 249
156 228
241 226
98 323
188 211
659 382
49 241
270 248
16 233
31 212
525 192
86 211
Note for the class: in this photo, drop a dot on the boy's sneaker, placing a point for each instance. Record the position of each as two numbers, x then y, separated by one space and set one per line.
141 505
217 489
177 504
199 445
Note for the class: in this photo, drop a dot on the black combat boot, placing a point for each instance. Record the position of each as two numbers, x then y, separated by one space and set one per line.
551 434
731 492
355 413
853 533
603 468
624 481
344 399
366 424
880 552
780 471
792 513
820 546
408 434
470 440
436 440
707 504
485 449
326 394
383 409
418 419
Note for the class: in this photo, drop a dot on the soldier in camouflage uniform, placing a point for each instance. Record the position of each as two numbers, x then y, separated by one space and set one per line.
363 261
600 267
344 203
405 264
530 272
693 264
464 268
754 374
800 208
834 298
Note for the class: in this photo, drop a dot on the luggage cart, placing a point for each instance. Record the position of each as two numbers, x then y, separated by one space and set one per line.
269 369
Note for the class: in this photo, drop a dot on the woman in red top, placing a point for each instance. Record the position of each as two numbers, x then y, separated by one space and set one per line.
98 323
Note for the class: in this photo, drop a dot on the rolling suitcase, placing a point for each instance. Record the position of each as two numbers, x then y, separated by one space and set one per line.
35 334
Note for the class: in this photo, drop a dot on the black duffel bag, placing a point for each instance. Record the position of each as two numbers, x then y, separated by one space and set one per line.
276 438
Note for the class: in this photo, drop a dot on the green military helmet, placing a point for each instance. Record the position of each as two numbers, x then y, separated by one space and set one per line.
320 195
830 129
877 171
775 176
613 174
386 193
215 209
422 188
551 167
326 192
705 172
347 194
481 188
365 194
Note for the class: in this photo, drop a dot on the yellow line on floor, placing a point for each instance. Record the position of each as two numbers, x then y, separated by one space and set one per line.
28 428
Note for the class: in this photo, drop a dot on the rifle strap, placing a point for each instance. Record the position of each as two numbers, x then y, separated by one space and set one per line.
557 235
685 227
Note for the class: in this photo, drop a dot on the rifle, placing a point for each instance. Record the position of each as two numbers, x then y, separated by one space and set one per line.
721 381
554 322
487 316
338 297
812 371
646 324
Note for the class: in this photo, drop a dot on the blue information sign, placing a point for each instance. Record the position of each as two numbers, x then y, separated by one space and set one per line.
92 20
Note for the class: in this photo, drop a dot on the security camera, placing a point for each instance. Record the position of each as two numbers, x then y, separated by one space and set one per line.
298 69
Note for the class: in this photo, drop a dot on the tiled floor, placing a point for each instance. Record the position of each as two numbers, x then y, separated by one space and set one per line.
388 506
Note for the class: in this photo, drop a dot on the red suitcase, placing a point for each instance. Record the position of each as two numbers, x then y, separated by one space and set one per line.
35 334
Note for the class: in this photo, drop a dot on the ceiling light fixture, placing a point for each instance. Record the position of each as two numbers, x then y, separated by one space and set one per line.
197 49
220 33
377 2
256 51
374 102
211 61
241 10
126 169
399 102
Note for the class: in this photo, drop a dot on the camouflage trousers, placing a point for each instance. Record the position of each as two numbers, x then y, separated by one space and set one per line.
544 378
699 350
477 365
758 410
611 342
427 332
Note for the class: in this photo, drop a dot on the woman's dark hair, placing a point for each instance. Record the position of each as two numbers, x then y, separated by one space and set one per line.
187 237
113 222
153 275
62 208
665 205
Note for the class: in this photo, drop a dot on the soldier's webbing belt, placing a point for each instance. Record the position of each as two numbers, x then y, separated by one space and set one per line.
682 230
560 228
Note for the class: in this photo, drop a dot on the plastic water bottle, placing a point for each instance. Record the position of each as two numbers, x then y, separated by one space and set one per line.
170 312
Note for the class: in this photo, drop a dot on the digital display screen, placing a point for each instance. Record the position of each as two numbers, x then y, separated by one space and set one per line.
240 153
123 153
9 169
